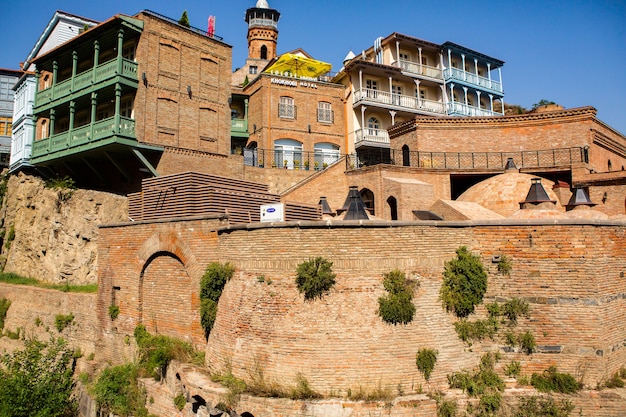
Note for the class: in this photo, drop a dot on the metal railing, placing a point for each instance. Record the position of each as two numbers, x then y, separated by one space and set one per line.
420 69
547 158
472 78
414 104
291 159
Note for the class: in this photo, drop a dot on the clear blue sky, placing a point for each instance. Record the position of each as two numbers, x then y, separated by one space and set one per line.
572 53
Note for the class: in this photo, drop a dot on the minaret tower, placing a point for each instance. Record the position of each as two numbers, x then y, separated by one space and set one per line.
262 31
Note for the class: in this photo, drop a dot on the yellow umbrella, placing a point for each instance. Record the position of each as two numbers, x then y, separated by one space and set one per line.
299 66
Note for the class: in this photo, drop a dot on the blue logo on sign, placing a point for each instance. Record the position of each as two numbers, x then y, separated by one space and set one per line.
271 210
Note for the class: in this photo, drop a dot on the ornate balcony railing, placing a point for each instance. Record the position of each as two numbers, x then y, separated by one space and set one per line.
371 136
410 103
471 78
84 135
547 158
420 69
85 79
461 109
239 126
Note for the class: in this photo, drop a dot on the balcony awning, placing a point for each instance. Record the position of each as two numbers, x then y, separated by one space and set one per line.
299 66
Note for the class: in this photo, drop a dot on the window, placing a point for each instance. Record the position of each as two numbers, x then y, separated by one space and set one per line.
403 58
286 108
324 112
325 154
396 92
371 86
128 51
82 118
126 108
44 129
253 69
288 154
373 126
264 52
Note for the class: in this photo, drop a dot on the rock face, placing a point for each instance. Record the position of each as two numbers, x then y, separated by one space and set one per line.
51 234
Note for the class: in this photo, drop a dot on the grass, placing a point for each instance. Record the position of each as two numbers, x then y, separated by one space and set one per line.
11 278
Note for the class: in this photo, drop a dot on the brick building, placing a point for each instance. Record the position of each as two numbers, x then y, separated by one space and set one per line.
133 97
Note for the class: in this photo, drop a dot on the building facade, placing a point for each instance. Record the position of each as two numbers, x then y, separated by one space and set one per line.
7 80
116 104
401 77
61 28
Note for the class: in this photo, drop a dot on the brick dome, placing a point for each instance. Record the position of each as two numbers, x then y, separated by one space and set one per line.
503 193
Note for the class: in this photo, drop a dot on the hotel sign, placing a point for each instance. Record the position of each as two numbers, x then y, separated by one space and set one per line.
293 83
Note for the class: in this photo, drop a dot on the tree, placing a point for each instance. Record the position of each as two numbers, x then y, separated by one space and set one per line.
542 102
184 20
464 283
37 381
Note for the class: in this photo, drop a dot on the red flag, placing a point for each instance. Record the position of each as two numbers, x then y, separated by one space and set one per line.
211 30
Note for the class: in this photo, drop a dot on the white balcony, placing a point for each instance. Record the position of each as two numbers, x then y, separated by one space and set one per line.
473 79
415 68
372 137
461 109
398 101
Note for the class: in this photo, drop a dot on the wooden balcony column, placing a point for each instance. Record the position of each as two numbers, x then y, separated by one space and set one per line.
489 74
476 67
74 67
463 68
52 120
120 46
118 105
465 95
96 58
94 105
72 113
55 70
419 57
478 95
444 94
417 88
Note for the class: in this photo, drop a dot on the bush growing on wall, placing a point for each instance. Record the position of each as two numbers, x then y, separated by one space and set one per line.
464 283
425 360
315 278
211 286
397 306
5 303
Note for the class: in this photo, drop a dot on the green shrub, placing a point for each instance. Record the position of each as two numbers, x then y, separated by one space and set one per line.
117 391
315 278
482 383
180 401
396 307
464 283
9 237
61 321
513 369
211 286
553 381
527 342
38 380
446 409
543 406
11 278
504 265
615 381
425 360
303 390
114 311
5 303
514 308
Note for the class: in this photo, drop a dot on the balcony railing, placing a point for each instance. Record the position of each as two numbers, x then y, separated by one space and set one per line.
410 103
84 135
420 69
472 78
292 159
239 126
460 109
368 136
547 158
85 79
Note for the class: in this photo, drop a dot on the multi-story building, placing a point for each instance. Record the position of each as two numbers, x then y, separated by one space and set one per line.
61 28
130 98
400 77
7 80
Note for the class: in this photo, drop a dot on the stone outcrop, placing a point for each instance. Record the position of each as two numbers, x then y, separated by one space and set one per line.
51 234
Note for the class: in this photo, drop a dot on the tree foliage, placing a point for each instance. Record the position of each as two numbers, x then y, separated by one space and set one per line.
315 278
211 286
464 283
184 19
396 307
37 381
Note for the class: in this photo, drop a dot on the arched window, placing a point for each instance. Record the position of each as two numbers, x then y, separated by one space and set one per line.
264 52
368 199
373 126
325 154
406 156
288 154
392 204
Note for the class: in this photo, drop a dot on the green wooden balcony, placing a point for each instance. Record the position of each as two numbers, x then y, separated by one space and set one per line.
85 80
94 135
239 128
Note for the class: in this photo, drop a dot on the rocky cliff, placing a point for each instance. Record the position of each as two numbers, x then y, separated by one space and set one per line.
51 233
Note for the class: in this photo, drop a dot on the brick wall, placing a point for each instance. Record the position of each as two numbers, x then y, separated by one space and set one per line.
570 272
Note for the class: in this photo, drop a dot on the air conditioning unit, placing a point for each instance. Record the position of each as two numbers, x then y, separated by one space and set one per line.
273 212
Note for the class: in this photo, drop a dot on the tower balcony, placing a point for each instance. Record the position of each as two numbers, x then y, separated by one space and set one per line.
239 128
473 80
398 102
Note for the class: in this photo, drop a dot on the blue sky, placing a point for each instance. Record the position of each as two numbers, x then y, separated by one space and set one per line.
572 53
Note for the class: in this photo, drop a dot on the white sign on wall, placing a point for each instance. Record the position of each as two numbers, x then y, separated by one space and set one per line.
273 212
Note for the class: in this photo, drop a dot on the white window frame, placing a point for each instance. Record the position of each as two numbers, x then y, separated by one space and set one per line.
286 108
324 112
